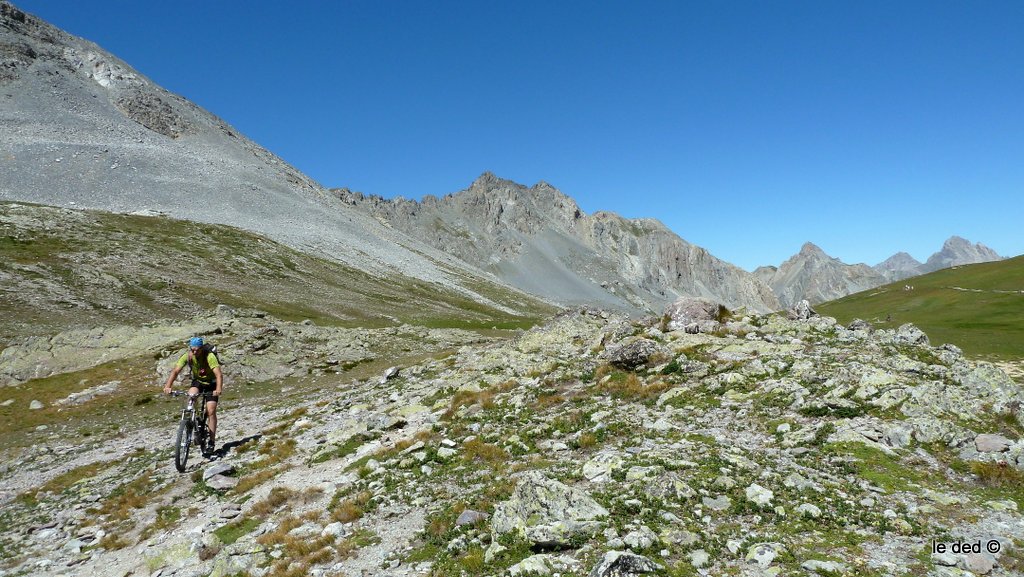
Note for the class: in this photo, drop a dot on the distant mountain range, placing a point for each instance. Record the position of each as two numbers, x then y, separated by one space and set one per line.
813 275
81 128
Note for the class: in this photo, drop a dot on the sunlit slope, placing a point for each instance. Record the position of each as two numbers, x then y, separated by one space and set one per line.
63 268
979 308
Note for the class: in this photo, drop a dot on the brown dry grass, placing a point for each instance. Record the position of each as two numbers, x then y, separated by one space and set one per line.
478 450
603 371
999 474
133 495
299 553
352 508
278 496
253 480
484 398
587 441
634 388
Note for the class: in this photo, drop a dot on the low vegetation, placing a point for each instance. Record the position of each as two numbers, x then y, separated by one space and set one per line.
974 307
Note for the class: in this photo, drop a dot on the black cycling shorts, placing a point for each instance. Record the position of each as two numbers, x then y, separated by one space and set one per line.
206 389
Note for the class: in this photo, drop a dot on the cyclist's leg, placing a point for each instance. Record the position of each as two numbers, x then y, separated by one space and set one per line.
211 418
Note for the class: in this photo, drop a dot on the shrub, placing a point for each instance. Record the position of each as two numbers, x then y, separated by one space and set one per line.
997 474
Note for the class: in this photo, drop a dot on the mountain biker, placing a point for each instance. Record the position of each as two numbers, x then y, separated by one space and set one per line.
206 379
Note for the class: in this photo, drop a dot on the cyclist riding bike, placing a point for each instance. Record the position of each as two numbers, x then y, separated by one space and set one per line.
206 379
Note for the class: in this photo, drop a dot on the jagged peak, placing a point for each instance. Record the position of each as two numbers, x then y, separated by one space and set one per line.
487 180
956 241
811 249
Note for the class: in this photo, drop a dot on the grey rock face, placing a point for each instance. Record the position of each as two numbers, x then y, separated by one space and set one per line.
958 251
987 443
909 334
860 325
218 469
815 276
470 517
539 240
899 266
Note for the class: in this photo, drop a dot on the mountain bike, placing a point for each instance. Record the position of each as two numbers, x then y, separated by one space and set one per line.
192 428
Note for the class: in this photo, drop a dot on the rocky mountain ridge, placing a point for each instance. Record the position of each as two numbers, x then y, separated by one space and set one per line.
538 239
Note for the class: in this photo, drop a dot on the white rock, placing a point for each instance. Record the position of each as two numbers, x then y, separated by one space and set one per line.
337 529
758 495
699 558
809 510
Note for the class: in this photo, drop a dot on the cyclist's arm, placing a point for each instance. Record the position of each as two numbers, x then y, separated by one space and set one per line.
170 379
174 372
220 382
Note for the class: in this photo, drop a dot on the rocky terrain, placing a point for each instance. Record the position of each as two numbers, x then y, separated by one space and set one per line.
537 238
696 443
817 277
386 412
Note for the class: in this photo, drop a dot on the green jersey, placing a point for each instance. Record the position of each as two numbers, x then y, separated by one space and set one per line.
202 368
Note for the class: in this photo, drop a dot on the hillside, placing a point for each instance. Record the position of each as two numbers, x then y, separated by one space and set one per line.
67 268
82 129
978 307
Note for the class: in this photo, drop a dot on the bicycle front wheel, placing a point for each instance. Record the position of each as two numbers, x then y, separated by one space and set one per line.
182 444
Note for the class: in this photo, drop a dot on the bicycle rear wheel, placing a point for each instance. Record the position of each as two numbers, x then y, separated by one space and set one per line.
182 444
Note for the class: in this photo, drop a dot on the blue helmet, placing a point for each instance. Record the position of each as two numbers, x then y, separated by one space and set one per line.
195 342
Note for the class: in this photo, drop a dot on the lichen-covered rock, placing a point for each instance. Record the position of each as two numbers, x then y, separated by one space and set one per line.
692 311
632 354
860 325
759 495
909 334
600 468
543 564
547 512
623 564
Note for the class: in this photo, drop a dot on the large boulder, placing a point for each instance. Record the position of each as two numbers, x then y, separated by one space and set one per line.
910 335
802 311
632 354
623 564
693 314
547 513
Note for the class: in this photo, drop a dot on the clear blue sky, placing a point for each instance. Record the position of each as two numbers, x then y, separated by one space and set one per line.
747 127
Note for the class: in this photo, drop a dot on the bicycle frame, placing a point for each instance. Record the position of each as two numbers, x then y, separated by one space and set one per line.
192 428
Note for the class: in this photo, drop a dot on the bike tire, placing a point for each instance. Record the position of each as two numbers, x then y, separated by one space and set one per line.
182 444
